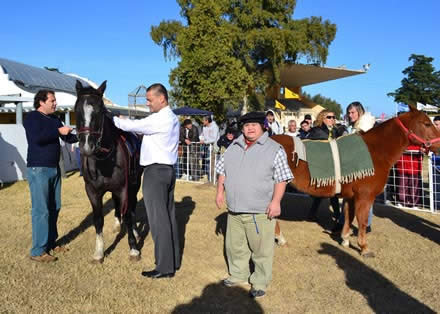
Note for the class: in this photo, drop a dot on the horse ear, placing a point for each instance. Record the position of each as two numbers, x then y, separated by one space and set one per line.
101 88
412 106
78 86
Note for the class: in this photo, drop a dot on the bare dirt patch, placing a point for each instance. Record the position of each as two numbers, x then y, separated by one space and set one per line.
314 274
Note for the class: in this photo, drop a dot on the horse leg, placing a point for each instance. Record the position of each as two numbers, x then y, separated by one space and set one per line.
279 238
117 203
98 221
362 209
130 221
349 216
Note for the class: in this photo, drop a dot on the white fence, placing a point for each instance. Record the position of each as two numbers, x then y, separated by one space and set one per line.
196 163
413 183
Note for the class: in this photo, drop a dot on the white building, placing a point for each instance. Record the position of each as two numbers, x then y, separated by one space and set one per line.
18 86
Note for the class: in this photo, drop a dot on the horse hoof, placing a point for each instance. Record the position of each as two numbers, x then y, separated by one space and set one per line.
97 261
368 254
135 258
281 241
345 243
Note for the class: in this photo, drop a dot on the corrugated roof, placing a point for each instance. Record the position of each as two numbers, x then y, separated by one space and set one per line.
34 78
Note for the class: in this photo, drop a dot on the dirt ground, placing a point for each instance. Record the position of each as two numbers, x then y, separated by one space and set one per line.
313 274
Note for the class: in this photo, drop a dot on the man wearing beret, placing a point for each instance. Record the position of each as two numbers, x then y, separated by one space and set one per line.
254 172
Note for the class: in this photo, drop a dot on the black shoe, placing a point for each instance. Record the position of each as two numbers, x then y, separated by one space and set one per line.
337 228
368 229
256 293
154 274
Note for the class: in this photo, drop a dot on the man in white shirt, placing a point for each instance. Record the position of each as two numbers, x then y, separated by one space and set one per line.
291 128
158 155
210 135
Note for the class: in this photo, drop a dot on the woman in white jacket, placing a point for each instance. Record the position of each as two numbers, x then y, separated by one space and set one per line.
358 121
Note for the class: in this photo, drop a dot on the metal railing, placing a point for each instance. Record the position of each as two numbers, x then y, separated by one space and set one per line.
196 163
413 183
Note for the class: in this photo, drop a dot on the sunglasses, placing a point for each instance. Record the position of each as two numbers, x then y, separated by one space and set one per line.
331 117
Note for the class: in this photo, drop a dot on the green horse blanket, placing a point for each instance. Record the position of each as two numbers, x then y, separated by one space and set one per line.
355 160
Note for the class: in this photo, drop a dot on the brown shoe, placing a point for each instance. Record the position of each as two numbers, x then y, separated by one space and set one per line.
60 249
44 258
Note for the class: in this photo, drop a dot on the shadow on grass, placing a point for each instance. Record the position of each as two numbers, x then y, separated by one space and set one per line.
381 294
295 207
4 186
220 229
216 298
184 210
413 223
86 223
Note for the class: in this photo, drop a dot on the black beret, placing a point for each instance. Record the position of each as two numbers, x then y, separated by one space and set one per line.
253 116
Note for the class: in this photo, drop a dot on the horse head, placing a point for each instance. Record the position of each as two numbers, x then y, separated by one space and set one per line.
420 130
90 117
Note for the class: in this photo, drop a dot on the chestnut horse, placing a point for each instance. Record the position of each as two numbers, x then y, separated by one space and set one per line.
386 144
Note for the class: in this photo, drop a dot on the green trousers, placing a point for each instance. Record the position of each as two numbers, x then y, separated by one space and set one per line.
250 236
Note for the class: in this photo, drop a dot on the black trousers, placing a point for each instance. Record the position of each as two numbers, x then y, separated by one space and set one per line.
158 189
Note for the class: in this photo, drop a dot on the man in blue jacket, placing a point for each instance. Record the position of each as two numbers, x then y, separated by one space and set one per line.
43 131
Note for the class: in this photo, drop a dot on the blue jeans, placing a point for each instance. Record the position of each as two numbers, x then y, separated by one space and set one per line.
45 188
206 161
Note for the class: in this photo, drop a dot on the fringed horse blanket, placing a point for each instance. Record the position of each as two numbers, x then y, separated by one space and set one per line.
338 161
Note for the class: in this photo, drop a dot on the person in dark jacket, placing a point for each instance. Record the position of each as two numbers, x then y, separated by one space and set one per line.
304 131
226 139
325 129
43 133
189 138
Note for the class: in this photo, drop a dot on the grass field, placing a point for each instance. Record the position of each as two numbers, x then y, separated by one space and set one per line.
314 274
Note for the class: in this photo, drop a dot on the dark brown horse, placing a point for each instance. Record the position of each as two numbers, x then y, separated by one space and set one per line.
107 166
386 144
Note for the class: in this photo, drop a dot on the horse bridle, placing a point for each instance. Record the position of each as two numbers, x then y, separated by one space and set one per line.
412 136
98 148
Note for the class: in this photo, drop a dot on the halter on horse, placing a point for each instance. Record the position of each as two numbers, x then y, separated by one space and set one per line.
386 143
105 163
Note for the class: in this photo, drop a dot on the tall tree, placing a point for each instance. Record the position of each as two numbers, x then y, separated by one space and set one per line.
421 84
231 50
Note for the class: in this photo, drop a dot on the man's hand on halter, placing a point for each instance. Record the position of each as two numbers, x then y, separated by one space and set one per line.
64 130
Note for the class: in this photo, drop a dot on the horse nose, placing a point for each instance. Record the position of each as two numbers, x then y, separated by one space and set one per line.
86 148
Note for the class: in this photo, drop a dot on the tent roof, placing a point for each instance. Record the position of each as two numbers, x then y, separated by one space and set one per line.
188 111
298 75
34 78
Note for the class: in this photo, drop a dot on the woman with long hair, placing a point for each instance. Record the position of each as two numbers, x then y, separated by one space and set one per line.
324 129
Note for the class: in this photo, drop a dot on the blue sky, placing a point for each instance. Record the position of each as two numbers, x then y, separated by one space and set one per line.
109 40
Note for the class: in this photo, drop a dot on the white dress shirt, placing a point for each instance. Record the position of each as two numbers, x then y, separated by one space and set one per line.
161 136
210 133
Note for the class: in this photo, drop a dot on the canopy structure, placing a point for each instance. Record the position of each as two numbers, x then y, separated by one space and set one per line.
188 111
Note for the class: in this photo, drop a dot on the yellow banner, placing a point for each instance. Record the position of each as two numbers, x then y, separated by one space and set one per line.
289 94
279 105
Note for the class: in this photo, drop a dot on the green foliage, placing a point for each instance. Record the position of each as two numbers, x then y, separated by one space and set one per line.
421 84
325 102
231 50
